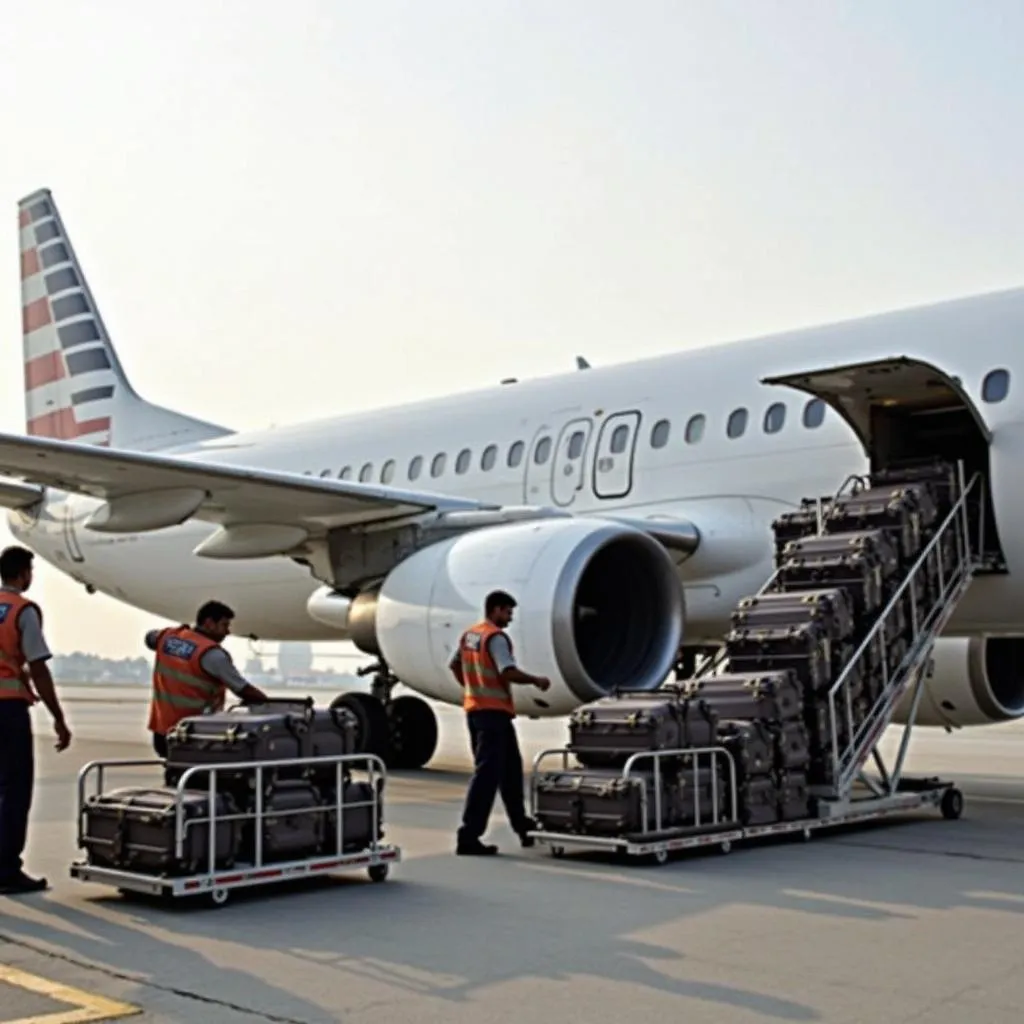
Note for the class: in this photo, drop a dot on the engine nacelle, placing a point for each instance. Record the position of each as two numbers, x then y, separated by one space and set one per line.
600 606
971 681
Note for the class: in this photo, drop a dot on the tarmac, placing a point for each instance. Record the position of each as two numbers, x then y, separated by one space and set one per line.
912 921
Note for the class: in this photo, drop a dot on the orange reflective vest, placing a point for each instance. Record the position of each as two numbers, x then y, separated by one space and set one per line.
181 687
14 682
482 687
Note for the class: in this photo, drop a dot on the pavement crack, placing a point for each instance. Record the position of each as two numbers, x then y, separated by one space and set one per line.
931 852
134 979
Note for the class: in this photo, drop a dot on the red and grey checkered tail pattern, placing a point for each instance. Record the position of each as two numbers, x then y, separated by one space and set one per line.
71 371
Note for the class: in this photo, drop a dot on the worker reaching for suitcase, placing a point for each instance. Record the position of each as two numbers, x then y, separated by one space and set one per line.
484 665
192 672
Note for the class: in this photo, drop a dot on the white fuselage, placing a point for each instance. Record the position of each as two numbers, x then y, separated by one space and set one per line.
717 481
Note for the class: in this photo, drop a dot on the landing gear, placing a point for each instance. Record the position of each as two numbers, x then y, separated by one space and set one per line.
952 805
400 730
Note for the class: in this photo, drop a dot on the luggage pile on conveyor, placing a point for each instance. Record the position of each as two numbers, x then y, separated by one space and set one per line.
135 828
767 703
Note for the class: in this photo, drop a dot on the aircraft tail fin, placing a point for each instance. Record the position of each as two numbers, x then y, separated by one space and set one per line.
75 387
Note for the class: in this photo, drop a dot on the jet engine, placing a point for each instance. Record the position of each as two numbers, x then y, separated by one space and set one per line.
971 681
600 606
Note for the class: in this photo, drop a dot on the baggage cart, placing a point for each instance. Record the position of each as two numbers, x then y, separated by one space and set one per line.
724 830
217 882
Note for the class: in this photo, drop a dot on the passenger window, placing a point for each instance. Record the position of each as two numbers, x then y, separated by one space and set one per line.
346 473
659 435
996 385
489 457
737 423
695 428
576 444
462 462
814 413
387 474
366 472
620 437
543 451
515 454
774 418
437 466
415 467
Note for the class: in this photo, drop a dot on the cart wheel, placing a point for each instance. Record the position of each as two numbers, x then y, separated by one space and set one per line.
952 805
726 846
378 872
219 897
807 835
660 856
558 852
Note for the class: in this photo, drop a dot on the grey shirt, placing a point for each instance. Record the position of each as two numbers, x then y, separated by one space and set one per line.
30 626
216 661
499 649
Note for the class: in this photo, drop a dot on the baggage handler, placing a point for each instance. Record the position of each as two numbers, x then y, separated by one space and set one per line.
192 672
484 666
23 657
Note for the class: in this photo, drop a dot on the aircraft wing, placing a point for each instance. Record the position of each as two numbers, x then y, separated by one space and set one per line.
161 490
17 495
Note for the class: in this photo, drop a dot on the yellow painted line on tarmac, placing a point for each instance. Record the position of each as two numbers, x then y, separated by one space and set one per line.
84 1007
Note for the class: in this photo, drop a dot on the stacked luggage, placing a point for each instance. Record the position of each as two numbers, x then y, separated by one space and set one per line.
134 828
768 704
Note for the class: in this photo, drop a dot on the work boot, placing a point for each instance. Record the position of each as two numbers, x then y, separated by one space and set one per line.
474 848
21 883
529 825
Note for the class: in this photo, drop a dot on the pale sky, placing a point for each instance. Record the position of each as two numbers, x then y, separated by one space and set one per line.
287 211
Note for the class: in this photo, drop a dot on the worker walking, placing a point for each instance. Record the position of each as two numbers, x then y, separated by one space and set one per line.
23 657
193 672
485 667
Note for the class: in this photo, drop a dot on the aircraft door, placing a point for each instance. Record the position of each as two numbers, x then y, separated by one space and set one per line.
613 457
570 470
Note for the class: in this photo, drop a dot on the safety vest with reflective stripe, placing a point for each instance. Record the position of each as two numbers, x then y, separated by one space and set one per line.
181 686
483 687
14 681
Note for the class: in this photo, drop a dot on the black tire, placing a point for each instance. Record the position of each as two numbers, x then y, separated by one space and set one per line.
413 733
952 805
378 872
372 729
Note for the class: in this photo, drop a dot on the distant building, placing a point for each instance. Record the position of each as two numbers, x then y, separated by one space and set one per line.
295 659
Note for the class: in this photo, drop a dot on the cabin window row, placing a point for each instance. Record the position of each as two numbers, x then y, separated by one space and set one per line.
994 388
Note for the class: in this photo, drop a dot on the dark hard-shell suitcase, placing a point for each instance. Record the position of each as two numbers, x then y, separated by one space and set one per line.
134 828
701 795
791 748
817 721
938 478
803 522
873 544
813 673
751 745
794 799
769 695
829 608
758 800
357 820
228 738
860 575
608 731
603 803
293 822
905 512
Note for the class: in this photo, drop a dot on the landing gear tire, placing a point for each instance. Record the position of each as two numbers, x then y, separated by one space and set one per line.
952 805
413 733
373 729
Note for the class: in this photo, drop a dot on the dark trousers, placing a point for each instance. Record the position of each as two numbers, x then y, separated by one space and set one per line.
17 775
499 768
160 745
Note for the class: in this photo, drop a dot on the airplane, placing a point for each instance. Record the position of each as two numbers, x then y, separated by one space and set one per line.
628 508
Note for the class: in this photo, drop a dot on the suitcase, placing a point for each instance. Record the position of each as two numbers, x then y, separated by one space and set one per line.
357 818
293 822
702 797
133 829
603 803
758 801
856 572
813 674
794 797
751 744
606 732
803 522
791 747
829 608
768 695
873 543
229 738
938 478
904 512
